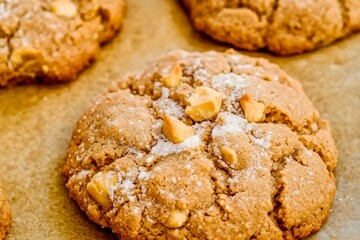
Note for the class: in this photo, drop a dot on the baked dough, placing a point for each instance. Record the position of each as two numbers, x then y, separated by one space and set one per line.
168 160
283 27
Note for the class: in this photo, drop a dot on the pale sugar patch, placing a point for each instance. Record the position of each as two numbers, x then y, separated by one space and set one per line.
137 153
136 210
196 64
81 175
149 159
201 75
263 141
143 175
164 105
82 154
234 57
5 10
164 147
165 93
232 124
168 106
125 189
231 87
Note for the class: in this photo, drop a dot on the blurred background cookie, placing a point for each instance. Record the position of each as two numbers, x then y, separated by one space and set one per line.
51 41
204 145
283 27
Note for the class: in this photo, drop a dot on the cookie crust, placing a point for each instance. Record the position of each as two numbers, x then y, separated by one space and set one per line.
5 215
281 188
284 27
52 41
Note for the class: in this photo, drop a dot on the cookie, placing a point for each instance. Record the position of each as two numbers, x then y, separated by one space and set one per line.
5 216
51 41
204 146
283 27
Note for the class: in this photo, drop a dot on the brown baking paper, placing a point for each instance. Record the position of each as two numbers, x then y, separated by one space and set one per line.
36 122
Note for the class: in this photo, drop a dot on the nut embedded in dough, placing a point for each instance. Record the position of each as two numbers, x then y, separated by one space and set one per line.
175 130
64 8
177 219
174 77
99 186
204 103
229 155
254 111
26 57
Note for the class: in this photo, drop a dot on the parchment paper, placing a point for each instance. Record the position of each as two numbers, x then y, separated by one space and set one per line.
36 121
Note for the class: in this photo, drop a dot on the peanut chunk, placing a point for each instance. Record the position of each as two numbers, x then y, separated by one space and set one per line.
175 130
174 77
177 219
26 57
229 155
204 103
64 8
222 202
254 111
99 186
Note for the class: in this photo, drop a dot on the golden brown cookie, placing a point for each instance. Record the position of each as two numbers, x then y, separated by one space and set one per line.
51 41
5 216
204 146
283 27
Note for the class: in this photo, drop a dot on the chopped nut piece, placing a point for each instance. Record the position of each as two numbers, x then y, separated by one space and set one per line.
204 103
64 8
229 155
98 188
174 77
45 68
26 57
254 111
175 130
223 204
177 219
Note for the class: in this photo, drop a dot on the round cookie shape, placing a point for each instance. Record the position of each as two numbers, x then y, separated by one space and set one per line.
51 41
284 27
5 215
202 144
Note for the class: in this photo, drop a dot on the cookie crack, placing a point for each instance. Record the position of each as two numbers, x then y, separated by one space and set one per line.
276 116
345 15
281 79
9 44
270 20
277 166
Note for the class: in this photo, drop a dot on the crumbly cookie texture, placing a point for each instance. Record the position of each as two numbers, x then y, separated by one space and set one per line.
142 165
283 27
5 216
51 41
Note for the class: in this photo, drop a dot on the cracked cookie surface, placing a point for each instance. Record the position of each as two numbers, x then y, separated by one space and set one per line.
5 215
51 41
281 26
164 159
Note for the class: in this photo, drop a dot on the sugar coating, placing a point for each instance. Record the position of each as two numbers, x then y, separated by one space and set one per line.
281 186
